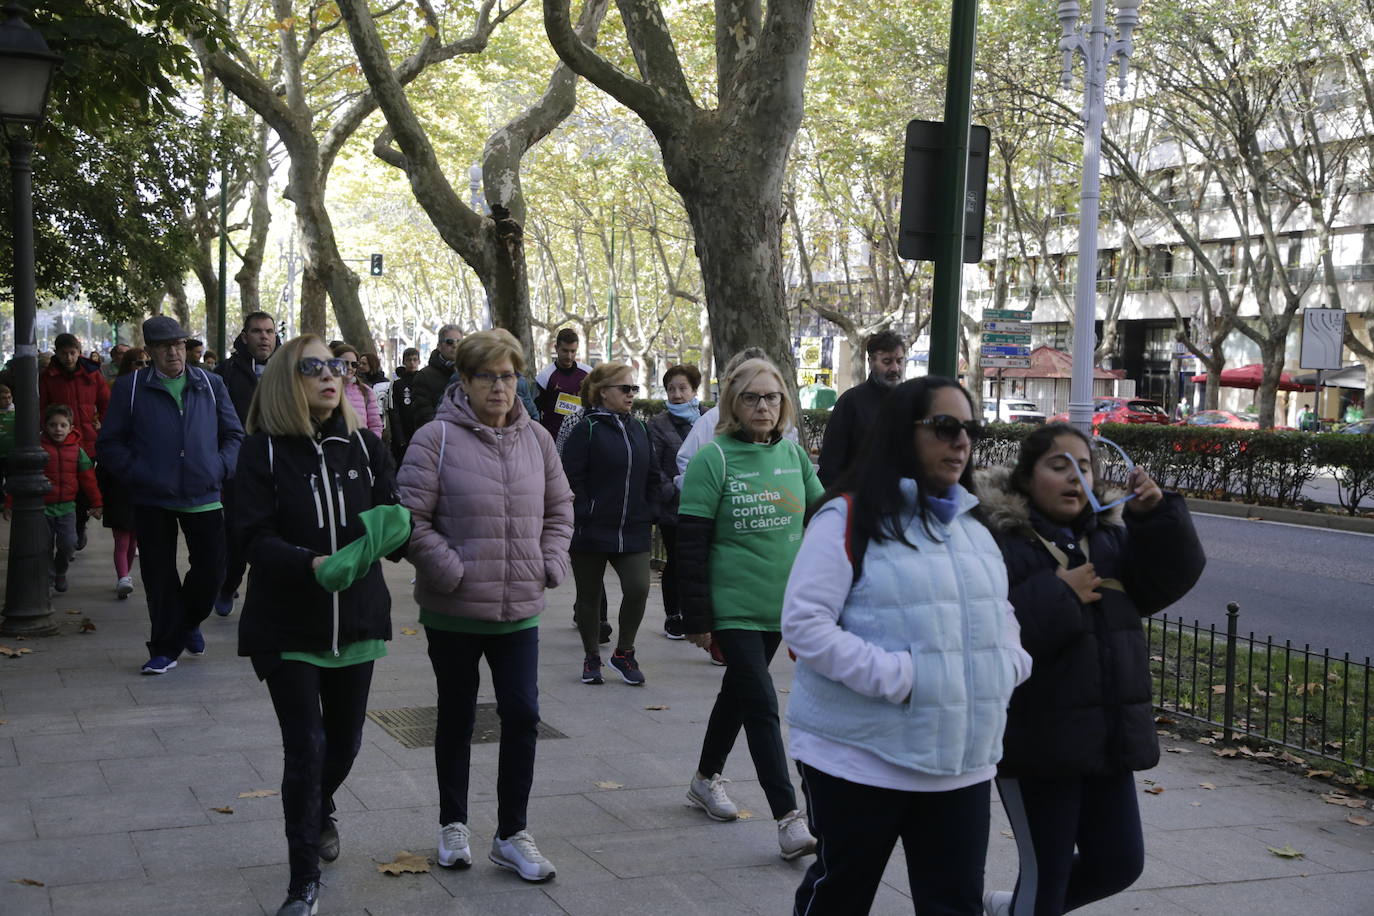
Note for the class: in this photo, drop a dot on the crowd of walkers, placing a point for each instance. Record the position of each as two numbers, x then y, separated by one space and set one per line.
952 631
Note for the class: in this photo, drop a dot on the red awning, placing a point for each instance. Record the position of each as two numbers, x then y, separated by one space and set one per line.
1250 377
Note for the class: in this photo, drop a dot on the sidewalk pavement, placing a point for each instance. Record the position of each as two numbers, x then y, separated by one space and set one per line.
110 781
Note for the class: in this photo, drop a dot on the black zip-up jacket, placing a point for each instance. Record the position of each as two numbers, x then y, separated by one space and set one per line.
850 421
427 389
1087 706
240 378
614 478
298 498
666 432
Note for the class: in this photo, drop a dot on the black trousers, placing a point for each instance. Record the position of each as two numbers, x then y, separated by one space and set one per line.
514 662
1050 817
321 712
176 604
748 700
944 836
669 581
236 562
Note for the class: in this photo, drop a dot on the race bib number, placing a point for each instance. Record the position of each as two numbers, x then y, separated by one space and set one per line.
567 404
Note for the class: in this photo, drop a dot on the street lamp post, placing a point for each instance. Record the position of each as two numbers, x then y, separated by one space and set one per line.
1097 53
26 69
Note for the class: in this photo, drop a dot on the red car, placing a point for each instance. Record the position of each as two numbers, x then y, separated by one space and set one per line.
1218 419
1122 410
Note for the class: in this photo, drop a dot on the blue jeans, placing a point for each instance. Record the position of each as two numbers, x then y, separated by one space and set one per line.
514 662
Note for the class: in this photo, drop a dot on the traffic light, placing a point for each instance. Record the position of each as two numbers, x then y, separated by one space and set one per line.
921 175
376 265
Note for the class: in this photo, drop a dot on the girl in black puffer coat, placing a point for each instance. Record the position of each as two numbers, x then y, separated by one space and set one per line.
1080 582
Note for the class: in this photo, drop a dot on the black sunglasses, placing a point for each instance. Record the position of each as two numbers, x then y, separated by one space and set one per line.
947 428
627 389
311 366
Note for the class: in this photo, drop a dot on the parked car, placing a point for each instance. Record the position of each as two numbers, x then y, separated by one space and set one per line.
1011 410
1219 419
1122 410
1359 427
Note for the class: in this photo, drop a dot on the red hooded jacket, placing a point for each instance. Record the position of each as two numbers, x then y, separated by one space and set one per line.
65 473
83 390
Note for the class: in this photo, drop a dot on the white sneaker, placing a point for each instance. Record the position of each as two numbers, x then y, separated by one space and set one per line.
997 903
520 855
124 587
794 839
709 795
453 846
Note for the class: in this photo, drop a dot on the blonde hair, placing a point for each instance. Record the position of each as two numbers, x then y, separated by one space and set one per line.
599 379
487 347
279 407
737 382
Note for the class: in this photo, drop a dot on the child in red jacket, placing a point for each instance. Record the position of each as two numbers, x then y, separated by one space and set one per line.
69 469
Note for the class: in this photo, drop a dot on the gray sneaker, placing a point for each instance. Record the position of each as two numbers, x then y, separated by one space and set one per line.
794 839
454 851
519 854
709 795
997 903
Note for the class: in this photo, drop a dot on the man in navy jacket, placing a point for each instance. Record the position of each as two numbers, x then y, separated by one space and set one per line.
172 437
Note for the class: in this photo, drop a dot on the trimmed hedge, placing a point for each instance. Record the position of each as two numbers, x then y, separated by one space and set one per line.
1260 466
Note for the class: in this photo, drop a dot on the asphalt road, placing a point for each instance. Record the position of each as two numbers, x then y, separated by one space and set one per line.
1308 585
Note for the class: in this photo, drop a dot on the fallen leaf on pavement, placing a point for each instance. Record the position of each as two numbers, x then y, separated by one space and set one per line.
608 785
87 626
1339 798
225 810
405 863
1320 774
258 793
73 612
1218 688
655 708
1207 741
1177 750
27 881
1195 804
1285 851
1359 820
1292 758
745 814
1155 790
1008 834
408 631
14 653
1226 752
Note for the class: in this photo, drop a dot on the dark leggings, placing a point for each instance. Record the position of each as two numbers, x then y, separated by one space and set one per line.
669 580
944 837
748 700
1050 816
588 570
321 712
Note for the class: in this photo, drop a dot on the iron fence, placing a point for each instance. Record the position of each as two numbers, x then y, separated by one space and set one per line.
1314 703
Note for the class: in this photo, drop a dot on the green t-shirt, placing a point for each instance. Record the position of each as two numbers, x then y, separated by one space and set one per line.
758 495
354 653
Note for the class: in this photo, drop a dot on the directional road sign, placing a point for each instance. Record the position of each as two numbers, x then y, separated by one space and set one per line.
1005 362
1008 327
1006 315
1023 339
1004 350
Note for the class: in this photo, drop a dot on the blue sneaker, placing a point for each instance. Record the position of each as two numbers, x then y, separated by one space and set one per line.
158 664
195 643
224 605
625 665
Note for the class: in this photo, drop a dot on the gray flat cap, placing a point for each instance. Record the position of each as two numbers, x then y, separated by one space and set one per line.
162 328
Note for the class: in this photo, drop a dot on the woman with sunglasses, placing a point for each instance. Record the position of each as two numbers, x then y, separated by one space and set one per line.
119 509
1085 563
907 652
614 479
360 394
306 474
739 526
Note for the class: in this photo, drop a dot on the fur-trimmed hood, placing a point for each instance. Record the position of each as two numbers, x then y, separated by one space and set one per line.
1006 511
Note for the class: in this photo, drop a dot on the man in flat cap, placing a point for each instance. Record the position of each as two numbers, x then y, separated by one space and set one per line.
172 437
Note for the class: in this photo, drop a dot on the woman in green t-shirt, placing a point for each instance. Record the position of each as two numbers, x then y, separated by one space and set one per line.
739 528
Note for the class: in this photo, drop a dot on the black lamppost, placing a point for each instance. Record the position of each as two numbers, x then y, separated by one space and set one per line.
26 71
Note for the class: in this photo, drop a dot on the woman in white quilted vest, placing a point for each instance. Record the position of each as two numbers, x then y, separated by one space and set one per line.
493 516
907 654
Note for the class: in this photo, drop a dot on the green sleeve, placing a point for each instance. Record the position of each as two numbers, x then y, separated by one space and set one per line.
83 461
703 483
814 488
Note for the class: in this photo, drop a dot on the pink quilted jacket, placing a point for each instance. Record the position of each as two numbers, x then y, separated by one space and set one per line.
364 401
492 513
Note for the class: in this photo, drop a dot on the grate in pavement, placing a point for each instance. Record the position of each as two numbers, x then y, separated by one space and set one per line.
413 726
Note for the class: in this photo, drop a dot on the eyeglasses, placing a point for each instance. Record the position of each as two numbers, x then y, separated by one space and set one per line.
1099 441
449 340
143 362
350 365
752 398
947 428
311 366
625 389
490 380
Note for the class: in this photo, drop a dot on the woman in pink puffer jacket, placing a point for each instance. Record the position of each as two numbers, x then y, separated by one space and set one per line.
359 394
492 515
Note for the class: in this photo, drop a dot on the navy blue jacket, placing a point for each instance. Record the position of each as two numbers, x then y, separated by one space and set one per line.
614 479
167 457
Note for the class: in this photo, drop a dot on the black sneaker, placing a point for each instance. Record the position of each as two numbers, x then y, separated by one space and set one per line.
591 670
59 582
81 539
302 901
672 627
605 633
329 840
